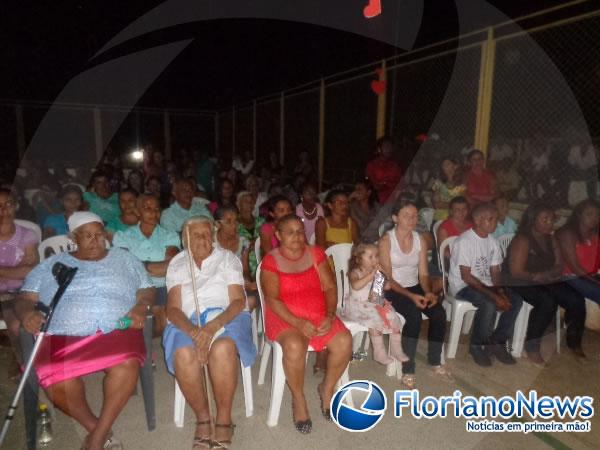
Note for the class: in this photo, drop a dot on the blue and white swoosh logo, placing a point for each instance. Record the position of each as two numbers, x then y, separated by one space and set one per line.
367 415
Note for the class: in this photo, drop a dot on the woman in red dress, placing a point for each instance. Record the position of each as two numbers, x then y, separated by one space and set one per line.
301 302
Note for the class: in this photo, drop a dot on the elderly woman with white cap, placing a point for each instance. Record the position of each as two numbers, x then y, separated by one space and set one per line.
223 335
84 337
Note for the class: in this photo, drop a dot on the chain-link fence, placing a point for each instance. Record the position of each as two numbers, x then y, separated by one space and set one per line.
543 115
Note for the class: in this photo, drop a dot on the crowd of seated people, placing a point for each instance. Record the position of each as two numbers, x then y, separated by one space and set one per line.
196 214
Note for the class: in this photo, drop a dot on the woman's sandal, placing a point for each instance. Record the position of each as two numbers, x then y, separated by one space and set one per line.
325 411
111 443
302 426
202 441
226 443
318 370
409 381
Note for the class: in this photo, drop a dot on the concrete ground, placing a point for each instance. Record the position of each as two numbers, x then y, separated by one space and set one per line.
564 375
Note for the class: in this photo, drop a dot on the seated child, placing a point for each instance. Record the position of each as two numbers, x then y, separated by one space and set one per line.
359 308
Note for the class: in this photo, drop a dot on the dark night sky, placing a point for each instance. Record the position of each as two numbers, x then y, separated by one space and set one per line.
45 44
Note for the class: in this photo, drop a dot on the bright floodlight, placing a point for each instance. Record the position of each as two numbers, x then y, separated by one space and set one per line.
137 155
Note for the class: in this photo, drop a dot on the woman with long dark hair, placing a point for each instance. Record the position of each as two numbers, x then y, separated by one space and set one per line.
225 195
579 245
535 265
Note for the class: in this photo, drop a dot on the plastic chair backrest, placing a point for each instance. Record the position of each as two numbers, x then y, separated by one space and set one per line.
383 228
58 244
504 242
32 226
260 295
340 253
447 243
427 215
436 227
257 250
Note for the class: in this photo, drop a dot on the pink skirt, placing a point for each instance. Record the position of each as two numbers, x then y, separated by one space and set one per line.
62 358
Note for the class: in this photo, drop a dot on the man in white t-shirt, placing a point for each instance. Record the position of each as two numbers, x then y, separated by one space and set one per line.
475 265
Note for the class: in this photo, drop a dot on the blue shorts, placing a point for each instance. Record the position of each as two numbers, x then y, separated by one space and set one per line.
239 330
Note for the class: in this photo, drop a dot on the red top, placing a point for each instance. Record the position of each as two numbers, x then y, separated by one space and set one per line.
588 257
302 294
448 226
479 187
384 172
269 228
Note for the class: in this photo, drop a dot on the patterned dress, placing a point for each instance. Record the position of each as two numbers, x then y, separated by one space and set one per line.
358 308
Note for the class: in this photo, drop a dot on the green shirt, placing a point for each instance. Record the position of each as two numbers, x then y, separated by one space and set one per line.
251 236
107 208
116 225
147 249
174 216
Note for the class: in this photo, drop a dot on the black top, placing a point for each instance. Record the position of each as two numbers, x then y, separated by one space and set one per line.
538 258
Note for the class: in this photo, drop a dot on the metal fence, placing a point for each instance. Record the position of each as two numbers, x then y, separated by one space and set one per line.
530 94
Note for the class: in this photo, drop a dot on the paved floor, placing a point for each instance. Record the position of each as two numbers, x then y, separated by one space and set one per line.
564 375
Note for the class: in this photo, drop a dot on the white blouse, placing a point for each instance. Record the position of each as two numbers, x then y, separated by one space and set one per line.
221 269
405 266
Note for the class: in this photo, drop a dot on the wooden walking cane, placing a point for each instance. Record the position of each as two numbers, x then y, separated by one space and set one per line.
192 264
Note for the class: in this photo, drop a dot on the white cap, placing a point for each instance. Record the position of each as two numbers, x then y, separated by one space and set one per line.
80 218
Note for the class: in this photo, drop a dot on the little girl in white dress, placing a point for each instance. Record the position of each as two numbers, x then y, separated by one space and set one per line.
358 307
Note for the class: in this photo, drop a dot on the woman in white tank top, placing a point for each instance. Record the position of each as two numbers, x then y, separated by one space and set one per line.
403 257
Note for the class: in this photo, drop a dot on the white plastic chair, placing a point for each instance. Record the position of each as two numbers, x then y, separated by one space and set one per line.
341 253
458 308
32 226
385 226
504 242
257 250
427 215
58 244
277 373
179 407
436 227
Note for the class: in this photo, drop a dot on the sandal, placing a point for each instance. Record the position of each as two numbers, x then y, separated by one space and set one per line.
202 441
226 443
325 411
111 443
443 373
302 426
409 380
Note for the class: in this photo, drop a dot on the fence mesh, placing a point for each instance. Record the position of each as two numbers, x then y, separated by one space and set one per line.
243 131
226 135
545 113
545 117
350 128
267 130
302 127
8 134
435 97
192 132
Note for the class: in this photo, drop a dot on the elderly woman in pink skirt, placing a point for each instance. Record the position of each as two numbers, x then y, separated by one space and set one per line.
83 336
